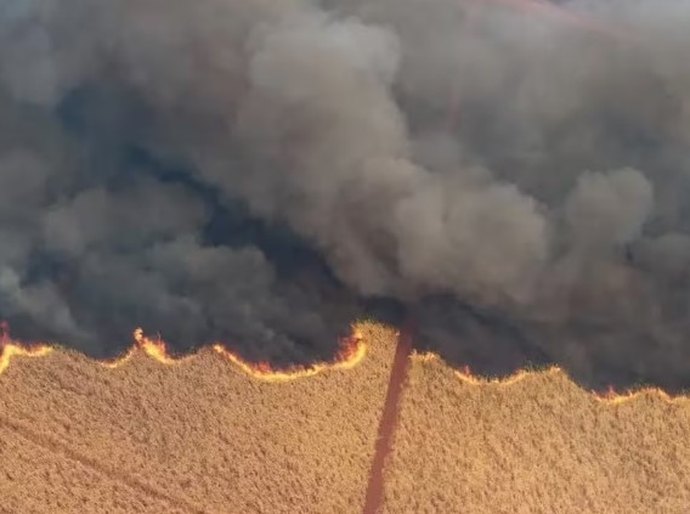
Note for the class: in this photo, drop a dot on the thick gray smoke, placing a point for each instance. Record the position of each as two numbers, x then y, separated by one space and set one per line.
256 171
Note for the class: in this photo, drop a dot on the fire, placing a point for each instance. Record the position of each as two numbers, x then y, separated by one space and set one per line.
119 361
614 398
352 353
155 348
611 396
466 375
10 348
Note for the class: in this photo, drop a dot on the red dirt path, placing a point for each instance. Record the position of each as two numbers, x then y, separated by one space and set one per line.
389 420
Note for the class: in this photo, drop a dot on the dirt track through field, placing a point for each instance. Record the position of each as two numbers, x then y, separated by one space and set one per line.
202 436
374 498
60 449
199 435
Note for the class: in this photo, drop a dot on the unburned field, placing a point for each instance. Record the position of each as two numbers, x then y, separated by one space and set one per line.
536 444
200 435
196 436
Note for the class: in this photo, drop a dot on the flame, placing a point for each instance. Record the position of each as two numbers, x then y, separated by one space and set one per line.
119 361
615 398
155 348
610 397
351 353
465 374
10 348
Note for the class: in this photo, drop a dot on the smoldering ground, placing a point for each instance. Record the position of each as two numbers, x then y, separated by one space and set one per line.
263 173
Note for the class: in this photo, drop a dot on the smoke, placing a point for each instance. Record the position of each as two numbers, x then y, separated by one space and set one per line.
260 172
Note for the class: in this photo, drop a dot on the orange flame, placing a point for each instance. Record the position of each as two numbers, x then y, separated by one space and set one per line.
465 374
615 398
119 361
611 396
156 348
10 348
352 352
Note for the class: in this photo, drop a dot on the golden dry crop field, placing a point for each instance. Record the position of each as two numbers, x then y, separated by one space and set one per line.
536 443
196 436
201 435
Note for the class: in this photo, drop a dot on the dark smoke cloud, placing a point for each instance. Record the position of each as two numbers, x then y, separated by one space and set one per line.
257 172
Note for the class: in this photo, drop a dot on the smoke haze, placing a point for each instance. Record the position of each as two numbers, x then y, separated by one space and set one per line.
264 173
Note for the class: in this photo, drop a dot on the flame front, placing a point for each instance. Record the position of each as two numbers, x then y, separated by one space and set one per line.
616 398
465 374
10 348
352 353
611 396
154 348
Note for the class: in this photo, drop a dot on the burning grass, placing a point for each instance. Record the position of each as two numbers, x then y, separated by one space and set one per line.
350 354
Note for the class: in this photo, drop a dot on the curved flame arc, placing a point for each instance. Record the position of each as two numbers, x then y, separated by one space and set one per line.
352 352
156 348
610 397
9 350
120 360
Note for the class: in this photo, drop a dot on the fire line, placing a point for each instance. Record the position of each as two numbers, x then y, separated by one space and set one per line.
352 350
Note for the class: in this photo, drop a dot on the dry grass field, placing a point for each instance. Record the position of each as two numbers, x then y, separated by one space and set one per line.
196 436
535 444
202 436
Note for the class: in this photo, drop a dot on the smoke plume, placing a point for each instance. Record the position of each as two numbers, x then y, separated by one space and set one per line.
264 173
